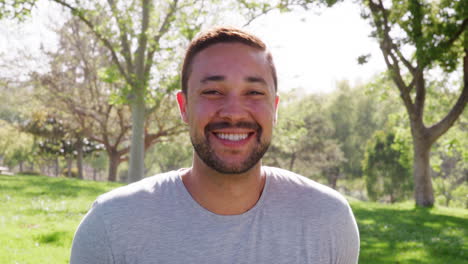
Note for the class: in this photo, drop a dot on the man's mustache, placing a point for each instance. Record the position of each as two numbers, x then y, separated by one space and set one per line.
221 125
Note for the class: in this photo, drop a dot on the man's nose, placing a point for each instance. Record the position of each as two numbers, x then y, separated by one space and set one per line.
233 109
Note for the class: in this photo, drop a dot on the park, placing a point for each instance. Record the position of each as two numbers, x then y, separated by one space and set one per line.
96 110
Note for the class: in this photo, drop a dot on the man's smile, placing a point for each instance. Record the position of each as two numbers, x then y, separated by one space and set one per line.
233 134
232 137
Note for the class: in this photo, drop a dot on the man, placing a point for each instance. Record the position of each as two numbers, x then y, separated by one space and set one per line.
226 208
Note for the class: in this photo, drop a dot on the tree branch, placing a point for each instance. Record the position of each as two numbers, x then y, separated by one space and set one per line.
162 30
147 7
402 58
420 97
105 41
440 128
123 34
379 15
264 12
455 36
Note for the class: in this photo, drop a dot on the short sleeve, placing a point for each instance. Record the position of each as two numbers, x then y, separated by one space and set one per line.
347 238
91 243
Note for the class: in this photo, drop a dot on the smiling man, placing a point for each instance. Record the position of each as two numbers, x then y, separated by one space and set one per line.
226 208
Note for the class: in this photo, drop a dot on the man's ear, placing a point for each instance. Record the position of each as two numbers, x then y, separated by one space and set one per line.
182 102
277 99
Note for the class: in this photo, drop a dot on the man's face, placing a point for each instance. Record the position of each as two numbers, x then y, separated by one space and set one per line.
230 106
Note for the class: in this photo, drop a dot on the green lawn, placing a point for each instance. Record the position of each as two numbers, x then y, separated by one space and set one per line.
401 233
40 214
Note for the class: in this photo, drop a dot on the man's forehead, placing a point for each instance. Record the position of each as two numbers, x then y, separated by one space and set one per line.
229 58
231 50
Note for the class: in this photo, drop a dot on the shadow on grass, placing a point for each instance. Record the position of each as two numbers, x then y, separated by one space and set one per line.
54 188
57 238
430 237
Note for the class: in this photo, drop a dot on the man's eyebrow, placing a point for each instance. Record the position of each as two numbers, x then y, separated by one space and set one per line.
219 78
255 79
213 78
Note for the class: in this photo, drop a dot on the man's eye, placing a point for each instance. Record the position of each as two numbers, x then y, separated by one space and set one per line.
211 92
255 93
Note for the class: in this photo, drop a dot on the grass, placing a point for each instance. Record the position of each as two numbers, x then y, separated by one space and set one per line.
39 216
401 233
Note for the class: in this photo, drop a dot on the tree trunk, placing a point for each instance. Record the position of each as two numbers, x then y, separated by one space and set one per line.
114 162
79 159
423 191
57 167
21 166
333 174
392 198
448 198
94 174
69 167
291 163
136 169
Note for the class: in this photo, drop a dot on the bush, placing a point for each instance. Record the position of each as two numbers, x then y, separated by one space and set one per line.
73 172
31 173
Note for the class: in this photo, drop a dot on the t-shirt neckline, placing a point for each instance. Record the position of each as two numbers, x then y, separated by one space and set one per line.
200 209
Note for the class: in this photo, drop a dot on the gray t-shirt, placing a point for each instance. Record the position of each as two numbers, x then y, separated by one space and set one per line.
296 220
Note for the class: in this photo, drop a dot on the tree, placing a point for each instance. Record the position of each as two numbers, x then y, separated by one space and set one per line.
82 88
436 32
142 38
16 147
54 138
303 141
171 154
386 167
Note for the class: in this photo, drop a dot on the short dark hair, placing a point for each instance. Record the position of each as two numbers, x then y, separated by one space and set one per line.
222 35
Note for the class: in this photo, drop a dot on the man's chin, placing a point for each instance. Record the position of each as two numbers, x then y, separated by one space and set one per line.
229 162
233 169
229 166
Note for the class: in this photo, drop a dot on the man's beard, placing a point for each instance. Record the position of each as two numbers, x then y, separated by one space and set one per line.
206 153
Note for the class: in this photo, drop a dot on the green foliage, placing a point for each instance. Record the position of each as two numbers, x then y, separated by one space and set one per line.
73 172
16 9
450 164
387 167
355 113
432 27
170 155
442 91
16 146
54 138
302 141
449 194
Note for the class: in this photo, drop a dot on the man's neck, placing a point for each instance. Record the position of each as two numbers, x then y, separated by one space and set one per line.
224 194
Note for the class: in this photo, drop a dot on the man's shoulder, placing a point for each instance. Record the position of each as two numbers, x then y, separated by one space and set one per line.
140 190
302 190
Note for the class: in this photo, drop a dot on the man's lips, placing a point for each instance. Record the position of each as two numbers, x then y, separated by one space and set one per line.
233 133
237 126
233 136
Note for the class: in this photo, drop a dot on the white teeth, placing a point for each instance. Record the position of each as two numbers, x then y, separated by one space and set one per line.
232 137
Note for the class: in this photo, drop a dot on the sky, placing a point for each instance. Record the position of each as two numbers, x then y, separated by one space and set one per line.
312 52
